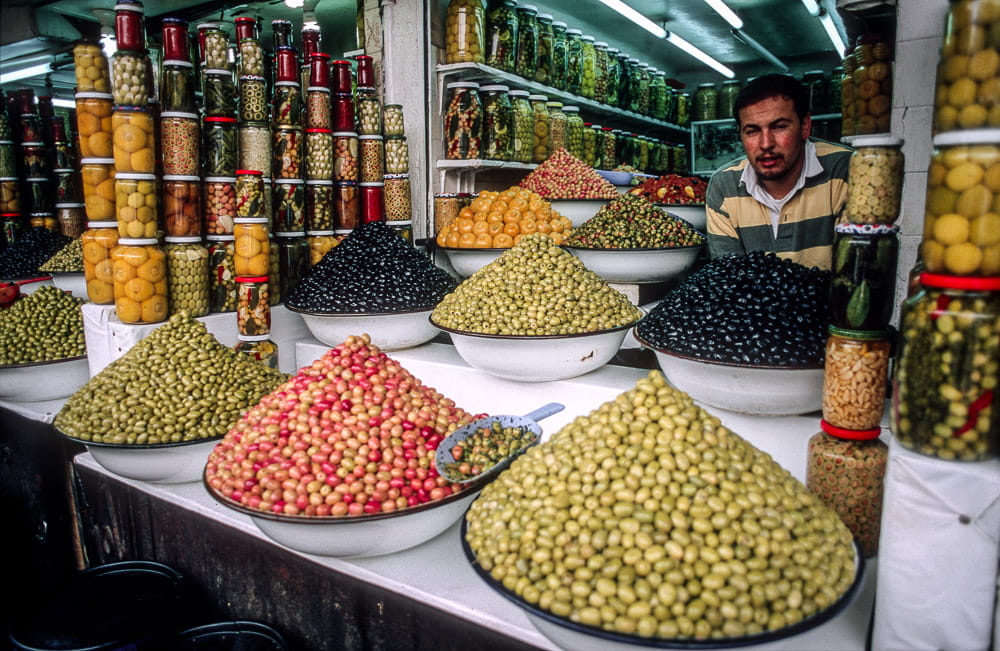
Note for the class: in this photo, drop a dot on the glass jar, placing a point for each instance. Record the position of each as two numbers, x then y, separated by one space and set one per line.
287 153
289 207
177 87
219 150
540 118
557 127
91 69
658 94
526 56
260 348
253 304
497 118
293 259
136 205
501 36
93 125
181 205
633 92
945 401
287 105
392 120
369 115
319 243
848 96
398 204
319 154
345 156
465 32
342 111
140 281
397 155
574 60
281 32
250 194
601 72
873 90
98 241
726 99
274 296
179 135
253 99
705 102
846 470
876 173
589 144
97 175
372 158
219 204
130 27
318 108
625 73
559 55
135 140
219 93
43 219
670 110
446 208
834 104
254 147
522 126
34 159
463 121
319 206
371 202
817 90
187 275
544 69
221 273
216 50
71 219
251 58
863 287
855 378
608 149
252 241
683 102
130 83
588 66
346 205
612 75
67 186
574 131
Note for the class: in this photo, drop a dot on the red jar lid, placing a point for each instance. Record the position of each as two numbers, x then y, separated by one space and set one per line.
366 70
249 173
318 130
251 279
850 434
220 119
974 283
176 45
286 64
246 27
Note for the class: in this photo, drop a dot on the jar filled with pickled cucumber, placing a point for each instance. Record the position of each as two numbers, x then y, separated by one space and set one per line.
876 180
187 275
645 88
705 102
465 32
574 60
613 76
501 35
219 150
574 131
526 57
726 99
522 125
177 86
544 71
600 72
463 121
588 66
634 82
497 119
140 281
97 242
559 55
855 377
863 286
944 399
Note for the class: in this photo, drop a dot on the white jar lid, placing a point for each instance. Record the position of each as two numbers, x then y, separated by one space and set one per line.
134 176
102 224
138 241
463 84
180 177
178 62
884 140
220 179
967 137
93 95
495 87
182 239
179 114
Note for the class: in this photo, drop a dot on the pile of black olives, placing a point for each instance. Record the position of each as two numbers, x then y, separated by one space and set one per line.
373 270
29 251
751 309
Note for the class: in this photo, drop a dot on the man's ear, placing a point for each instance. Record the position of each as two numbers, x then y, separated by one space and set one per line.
807 123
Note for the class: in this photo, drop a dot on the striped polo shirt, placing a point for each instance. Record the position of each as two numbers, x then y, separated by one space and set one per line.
739 223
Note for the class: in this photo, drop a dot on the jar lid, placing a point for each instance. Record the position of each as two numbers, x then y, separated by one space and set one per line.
558 23
182 239
371 184
370 137
242 337
600 44
286 127
252 78
572 109
529 8
97 161
319 182
179 114
517 92
251 279
878 141
286 83
217 72
343 231
288 181
857 334
387 176
554 104
613 50
596 126
707 84
974 283
69 205
316 89
180 177
222 119
138 241
318 233
288 234
495 87
216 238
866 229
44 214
250 220
347 134
135 54
574 31
318 130
538 98
255 125
62 170
32 144
967 137
446 195
392 106
129 6
249 173
132 176
851 434
345 183
399 222
220 179
102 224
93 95
178 63
587 37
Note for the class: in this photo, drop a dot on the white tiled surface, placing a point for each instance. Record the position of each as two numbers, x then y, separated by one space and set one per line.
920 19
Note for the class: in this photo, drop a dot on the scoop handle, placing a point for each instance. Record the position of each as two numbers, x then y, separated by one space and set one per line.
545 411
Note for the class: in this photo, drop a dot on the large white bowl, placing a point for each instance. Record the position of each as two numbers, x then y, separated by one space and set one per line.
693 213
744 388
40 381
638 265
353 536
74 283
165 463
541 358
578 210
388 330
468 261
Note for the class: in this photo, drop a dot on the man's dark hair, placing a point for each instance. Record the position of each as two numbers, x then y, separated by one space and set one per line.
773 85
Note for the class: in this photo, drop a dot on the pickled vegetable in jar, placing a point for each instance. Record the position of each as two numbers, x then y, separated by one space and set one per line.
136 205
91 69
574 60
726 100
254 147
392 120
526 56
134 140
608 148
253 99
345 156
398 205
250 194
219 150
397 155
522 125
177 87
71 219
945 401
319 154
848 96
252 241
501 35
67 186
43 219
601 71
181 205
221 273
180 136
855 377
540 116
273 277
219 204
670 111
463 121
260 348
219 94
403 229
187 275
293 259
497 118
705 103
834 103
465 32
287 104
876 181
319 243
98 241
544 70
588 66
863 286
216 50
35 160
289 211
130 79
97 177
318 206
846 470
873 86
557 127
589 140
93 125
446 208
574 131
559 55
346 205
140 281
369 115
318 108
372 158
251 57
253 304
683 102
287 153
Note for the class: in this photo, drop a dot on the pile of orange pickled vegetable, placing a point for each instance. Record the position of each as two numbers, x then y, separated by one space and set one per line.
498 220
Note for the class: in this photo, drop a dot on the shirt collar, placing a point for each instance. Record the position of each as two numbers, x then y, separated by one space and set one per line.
810 168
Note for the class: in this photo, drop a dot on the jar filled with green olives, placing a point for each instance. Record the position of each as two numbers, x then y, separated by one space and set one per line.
574 60
221 273
501 36
558 55
526 58
253 99
726 99
319 154
608 149
589 137
465 32
588 66
497 118
397 155
557 127
574 131
522 125
540 118
177 86
251 57
543 55
187 275
601 66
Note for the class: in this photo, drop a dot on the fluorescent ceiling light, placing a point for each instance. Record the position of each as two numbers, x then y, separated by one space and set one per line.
63 103
701 56
25 73
812 7
831 31
761 50
634 16
294 4
727 14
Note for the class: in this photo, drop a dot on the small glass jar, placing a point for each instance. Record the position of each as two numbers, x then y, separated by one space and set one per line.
287 153
683 103
846 470
135 140
705 102
589 140
219 93
398 204
403 229
497 119
130 27
372 158
139 268
368 110
540 117
342 110
855 378
67 186
91 69
670 112
345 156
588 66
34 159
130 83
250 194
725 99
93 125
341 77
574 60
260 348
38 195
219 204
187 275
876 187
501 36
44 220
253 99
251 57
557 127
526 56
221 273
254 147
817 90
319 243
98 241
446 208
219 150
216 53
544 70
945 401
71 219
318 108
392 120
274 296
253 305
319 206
319 154
863 288
346 205
465 32
289 205
574 131
608 148
179 136
253 247
848 95
873 90
287 104
371 202
634 84
177 87
293 259
281 32
97 175
522 126
834 103
612 75
463 121
136 205
181 205
397 155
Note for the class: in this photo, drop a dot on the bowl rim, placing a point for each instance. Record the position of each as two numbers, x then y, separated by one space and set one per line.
47 362
585 199
299 310
572 335
465 249
801 626
694 204
64 273
139 446
661 249
469 489
761 367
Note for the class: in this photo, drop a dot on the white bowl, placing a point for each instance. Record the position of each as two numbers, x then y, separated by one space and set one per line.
353 536
388 330
744 388
40 381
71 282
693 213
638 265
541 358
578 210
468 261
616 178
166 463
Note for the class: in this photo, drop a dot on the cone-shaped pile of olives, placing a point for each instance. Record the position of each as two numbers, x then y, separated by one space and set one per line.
564 176
750 309
354 433
68 259
631 222
29 251
373 270
43 325
177 384
535 288
648 517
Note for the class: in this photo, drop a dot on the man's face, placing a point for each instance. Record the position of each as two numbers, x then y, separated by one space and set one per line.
774 138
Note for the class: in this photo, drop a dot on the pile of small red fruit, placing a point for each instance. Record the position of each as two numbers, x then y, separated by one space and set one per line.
564 176
354 433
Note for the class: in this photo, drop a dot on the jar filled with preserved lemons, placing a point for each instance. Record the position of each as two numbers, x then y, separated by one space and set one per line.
140 281
968 76
465 27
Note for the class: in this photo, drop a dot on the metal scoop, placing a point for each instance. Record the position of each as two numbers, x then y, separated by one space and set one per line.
443 456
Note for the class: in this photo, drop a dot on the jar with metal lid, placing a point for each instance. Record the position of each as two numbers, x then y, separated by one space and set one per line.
559 55
945 401
446 208
588 66
254 147
219 93
855 377
612 74
465 31
683 102
345 156
398 204
97 175
187 275
873 86
139 269
557 127
624 79
281 33
342 110
287 104
403 229
846 470
67 186
501 35
253 99
251 57
93 125
369 115
540 116
876 174
726 99
817 89
130 26
253 304
34 160
670 109
526 55
258 347
134 140
219 150
38 195
371 151
574 131
221 273
318 108
293 259
136 205
601 71
252 241
219 204
320 242
397 155
318 206
289 207
705 102
588 138
497 118
91 69
544 69
574 60
71 219
250 194
392 120
463 121
287 153
642 155
346 205
98 241
181 205
130 83
658 95
319 154
863 287
522 126
177 86
608 149
179 135
216 51
633 94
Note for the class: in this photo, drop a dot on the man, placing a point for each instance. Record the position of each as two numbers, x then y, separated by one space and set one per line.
787 193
